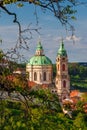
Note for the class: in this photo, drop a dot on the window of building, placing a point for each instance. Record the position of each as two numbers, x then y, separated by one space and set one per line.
64 84
63 59
63 67
44 76
35 61
35 76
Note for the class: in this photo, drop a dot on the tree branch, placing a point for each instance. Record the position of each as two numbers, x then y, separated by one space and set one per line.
14 20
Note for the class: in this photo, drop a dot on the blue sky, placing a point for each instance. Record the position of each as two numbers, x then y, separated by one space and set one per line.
51 33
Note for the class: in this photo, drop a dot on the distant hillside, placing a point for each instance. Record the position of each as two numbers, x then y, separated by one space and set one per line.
78 75
83 63
80 63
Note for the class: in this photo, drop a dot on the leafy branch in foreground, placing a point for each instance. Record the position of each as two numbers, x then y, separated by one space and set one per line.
63 10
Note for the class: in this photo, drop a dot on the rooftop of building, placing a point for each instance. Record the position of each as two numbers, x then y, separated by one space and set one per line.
61 50
39 58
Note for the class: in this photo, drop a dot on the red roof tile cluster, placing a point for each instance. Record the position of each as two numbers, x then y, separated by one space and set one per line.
11 77
45 85
74 93
31 84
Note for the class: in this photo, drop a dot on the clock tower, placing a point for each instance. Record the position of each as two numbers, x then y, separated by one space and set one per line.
62 77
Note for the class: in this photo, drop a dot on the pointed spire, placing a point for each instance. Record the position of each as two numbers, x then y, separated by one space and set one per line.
62 51
62 45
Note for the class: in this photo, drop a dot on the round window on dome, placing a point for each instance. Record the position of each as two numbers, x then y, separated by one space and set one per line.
35 61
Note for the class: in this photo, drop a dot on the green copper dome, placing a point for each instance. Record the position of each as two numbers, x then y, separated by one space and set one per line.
62 51
39 60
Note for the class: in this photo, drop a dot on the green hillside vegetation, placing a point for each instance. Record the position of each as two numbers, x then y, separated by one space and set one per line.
41 111
78 76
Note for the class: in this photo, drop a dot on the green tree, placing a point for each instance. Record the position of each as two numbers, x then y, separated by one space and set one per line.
84 97
63 12
80 122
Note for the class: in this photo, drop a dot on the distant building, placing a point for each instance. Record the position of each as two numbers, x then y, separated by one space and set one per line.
39 67
20 71
39 70
62 77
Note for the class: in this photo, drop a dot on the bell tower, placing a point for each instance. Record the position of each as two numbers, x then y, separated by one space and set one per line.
62 77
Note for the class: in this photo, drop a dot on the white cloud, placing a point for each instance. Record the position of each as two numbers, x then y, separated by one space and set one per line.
75 38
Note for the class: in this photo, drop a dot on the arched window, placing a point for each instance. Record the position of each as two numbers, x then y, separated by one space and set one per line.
35 76
63 67
44 76
64 84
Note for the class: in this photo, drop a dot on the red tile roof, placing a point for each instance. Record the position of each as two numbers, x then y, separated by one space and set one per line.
74 93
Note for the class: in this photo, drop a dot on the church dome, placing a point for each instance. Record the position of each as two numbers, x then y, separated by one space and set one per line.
62 51
39 58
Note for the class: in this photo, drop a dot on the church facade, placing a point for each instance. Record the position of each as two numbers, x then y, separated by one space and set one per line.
39 69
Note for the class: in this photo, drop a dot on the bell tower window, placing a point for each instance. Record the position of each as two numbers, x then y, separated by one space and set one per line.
63 67
64 84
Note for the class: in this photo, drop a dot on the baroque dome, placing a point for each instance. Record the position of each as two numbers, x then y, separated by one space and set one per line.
39 58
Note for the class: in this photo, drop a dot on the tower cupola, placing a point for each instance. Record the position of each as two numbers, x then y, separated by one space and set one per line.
61 50
39 49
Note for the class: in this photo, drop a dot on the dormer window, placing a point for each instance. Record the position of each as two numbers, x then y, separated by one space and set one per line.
35 61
